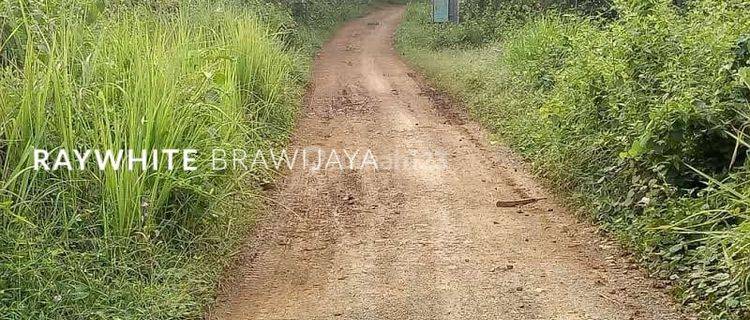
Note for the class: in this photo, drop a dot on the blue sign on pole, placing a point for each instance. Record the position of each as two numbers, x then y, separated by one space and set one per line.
440 10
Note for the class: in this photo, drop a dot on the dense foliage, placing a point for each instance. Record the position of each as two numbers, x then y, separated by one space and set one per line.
485 21
137 75
639 114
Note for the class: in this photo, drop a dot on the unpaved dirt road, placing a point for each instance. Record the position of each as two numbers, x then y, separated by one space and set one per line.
424 239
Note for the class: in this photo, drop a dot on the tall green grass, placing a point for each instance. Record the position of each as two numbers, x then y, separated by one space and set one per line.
640 120
111 76
195 80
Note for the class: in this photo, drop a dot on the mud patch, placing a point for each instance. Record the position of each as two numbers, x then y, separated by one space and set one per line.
348 102
443 103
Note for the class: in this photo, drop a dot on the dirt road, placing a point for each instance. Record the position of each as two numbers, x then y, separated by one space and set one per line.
423 236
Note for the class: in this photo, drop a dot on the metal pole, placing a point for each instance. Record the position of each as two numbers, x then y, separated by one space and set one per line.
453 10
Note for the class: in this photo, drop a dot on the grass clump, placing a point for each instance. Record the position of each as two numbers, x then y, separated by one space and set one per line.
150 76
638 116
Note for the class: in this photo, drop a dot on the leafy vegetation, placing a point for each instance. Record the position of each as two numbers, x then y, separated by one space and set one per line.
486 21
80 75
639 113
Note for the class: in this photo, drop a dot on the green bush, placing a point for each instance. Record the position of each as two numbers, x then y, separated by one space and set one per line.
486 21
